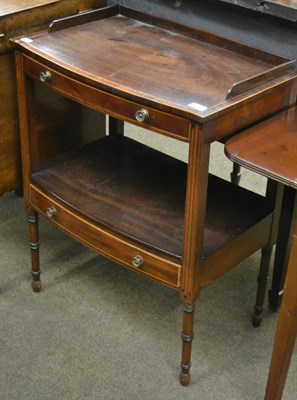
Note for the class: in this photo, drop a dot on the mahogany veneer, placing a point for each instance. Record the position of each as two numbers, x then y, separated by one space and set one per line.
158 216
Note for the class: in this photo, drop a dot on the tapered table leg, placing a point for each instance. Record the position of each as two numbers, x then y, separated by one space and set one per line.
262 285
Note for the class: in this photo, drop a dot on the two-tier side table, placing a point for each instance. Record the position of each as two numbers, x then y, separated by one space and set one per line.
162 218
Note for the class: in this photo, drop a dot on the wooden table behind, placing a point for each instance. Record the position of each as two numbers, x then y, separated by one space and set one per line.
19 17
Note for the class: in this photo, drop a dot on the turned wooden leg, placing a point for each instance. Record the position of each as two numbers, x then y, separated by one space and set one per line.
235 174
34 247
262 285
187 337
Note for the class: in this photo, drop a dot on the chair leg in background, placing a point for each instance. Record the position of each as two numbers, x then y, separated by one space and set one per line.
235 174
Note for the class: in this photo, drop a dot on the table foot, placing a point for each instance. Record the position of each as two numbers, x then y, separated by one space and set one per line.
36 282
184 378
258 316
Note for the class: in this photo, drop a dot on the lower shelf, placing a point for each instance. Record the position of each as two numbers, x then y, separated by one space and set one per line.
137 194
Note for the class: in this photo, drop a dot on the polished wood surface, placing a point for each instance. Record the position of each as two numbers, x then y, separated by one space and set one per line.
22 17
167 220
162 70
112 105
270 149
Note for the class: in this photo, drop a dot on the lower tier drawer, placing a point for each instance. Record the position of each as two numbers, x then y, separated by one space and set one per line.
105 243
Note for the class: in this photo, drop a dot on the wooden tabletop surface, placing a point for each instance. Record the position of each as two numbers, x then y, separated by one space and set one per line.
269 148
152 62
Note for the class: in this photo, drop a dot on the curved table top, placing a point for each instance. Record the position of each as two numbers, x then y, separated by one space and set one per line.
159 62
269 148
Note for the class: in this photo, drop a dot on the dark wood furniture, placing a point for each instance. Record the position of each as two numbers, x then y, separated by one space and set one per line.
159 217
270 149
270 25
18 17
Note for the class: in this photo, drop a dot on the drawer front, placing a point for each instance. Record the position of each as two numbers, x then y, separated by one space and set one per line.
117 249
107 103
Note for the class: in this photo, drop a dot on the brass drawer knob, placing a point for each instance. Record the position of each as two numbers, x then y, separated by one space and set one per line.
142 115
51 212
45 76
137 261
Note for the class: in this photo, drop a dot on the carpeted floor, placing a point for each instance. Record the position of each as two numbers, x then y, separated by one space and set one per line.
97 331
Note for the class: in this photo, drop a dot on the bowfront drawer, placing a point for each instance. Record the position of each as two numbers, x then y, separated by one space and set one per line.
105 243
147 117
